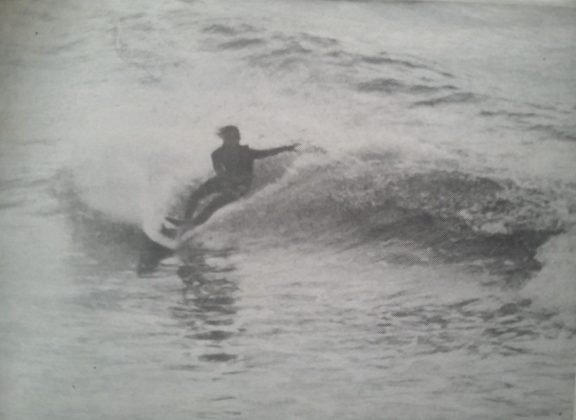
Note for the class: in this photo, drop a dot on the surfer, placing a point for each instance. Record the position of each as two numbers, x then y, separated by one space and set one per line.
234 167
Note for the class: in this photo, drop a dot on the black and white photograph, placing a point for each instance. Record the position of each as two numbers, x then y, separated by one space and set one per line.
287 209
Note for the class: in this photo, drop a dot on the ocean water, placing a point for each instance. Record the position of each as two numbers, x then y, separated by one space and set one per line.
414 260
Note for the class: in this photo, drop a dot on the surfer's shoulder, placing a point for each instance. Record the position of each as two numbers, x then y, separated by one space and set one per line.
243 149
217 152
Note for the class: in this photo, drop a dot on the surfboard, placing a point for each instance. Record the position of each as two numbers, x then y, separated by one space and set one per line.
163 232
161 239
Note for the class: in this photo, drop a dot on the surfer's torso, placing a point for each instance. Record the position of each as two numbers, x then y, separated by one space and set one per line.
234 163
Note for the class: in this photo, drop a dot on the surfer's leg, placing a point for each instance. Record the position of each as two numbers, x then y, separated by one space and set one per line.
214 205
209 187
151 253
229 192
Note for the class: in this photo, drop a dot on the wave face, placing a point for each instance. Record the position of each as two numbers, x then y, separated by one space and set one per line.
367 201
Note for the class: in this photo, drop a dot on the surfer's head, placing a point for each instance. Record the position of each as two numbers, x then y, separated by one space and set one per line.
229 134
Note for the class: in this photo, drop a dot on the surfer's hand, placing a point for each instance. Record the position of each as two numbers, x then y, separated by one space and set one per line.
292 147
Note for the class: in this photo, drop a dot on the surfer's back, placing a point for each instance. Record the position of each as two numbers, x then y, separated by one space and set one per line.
234 161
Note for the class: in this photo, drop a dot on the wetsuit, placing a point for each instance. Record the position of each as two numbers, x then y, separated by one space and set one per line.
234 166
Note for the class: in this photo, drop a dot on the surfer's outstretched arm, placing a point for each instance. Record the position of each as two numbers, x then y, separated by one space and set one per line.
259 154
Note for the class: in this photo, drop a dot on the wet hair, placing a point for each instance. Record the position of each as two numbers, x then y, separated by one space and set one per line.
228 130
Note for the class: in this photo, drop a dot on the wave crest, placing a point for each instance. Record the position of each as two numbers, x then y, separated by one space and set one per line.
368 199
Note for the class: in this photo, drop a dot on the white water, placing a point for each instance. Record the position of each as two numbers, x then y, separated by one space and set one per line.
115 105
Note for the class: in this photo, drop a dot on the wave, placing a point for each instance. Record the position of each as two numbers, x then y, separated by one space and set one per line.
386 59
508 114
108 241
369 200
278 83
275 48
402 216
451 99
395 86
241 43
228 30
550 131
554 286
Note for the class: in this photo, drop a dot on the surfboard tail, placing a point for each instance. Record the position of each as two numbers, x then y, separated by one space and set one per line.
151 253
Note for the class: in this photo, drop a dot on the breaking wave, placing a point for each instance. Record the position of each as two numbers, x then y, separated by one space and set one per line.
379 197
368 201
